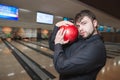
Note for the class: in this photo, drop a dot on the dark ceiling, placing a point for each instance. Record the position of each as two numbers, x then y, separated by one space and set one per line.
111 7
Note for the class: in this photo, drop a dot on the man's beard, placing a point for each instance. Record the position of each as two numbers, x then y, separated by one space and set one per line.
89 35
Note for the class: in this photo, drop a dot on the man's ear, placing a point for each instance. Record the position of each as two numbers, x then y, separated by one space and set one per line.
95 23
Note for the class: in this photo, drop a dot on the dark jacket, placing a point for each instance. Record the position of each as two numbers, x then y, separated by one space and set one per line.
81 60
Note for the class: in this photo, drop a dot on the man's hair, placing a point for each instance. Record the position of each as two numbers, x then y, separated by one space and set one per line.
79 16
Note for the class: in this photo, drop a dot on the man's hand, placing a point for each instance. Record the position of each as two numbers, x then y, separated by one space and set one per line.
60 37
64 23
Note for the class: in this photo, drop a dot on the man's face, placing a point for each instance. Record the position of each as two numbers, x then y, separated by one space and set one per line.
86 27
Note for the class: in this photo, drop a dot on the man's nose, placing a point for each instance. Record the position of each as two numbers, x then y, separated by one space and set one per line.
79 28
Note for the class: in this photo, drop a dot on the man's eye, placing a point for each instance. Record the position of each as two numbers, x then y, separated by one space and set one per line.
77 26
83 23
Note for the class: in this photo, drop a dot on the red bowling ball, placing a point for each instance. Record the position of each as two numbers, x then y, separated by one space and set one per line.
71 33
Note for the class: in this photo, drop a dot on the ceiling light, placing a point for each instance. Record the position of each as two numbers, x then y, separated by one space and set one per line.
59 17
24 10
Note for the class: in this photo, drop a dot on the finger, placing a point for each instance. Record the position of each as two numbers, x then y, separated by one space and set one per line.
61 31
66 41
68 23
64 32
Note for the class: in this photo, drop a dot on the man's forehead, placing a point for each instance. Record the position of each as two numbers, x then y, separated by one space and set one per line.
83 19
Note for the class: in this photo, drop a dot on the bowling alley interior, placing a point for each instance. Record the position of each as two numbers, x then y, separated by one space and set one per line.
25 28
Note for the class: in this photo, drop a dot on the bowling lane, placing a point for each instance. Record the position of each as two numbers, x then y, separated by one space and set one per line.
113 46
42 48
41 59
10 69
41 43
113 49
111 71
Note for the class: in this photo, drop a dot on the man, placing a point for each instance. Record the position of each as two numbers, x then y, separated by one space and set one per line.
83 59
